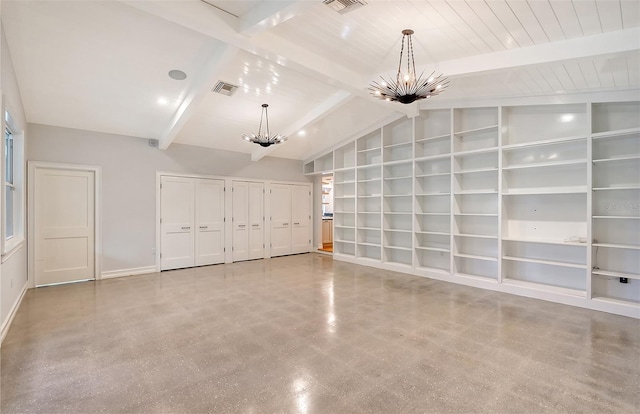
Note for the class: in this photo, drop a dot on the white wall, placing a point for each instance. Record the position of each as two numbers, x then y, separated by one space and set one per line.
13 270
129 168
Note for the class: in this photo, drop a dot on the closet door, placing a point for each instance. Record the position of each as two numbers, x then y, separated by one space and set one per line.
256 220
280 219
300 218
240 221
209 213
176 222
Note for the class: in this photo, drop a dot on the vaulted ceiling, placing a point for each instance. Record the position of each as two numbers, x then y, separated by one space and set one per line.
103 65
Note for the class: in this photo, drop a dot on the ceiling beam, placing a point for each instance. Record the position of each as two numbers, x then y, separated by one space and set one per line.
325 108
199 88
588 46
269 14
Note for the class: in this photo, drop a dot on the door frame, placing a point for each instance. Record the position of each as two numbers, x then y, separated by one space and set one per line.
33 167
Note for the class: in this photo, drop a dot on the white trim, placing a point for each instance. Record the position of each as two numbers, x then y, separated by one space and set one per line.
97 170
12 313
110 274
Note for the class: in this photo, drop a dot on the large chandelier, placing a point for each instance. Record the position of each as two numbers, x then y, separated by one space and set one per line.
407 87
264 140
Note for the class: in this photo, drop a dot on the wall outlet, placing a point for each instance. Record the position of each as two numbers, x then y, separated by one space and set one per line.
153 251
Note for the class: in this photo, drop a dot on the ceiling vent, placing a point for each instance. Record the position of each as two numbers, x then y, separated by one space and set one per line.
225 88
344 6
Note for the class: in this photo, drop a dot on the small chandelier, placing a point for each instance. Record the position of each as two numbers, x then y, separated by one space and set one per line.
266 139
407 87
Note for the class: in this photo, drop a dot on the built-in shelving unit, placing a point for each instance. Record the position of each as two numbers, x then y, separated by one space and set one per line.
616 202
432 191
397 210
539 200
544 197
344 190
369 200
397 139
475 193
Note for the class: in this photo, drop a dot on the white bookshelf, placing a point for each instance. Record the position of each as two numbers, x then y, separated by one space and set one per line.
432 189
474 183
475 129
369 201
616 202
345 156
369 149
397 141
538 200
544 197
433 133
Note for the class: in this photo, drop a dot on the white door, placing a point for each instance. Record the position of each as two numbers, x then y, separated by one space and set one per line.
64 225
177 222
280 219
240 221
300 218
256 220
209 232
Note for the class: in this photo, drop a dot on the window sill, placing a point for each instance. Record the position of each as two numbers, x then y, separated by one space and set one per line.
12 248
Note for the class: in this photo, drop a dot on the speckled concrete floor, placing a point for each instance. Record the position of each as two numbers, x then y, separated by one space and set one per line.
304 334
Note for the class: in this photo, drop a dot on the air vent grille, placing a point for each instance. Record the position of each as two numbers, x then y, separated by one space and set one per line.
225 88
344 6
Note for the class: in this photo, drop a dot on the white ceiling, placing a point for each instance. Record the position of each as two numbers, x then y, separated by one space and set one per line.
102 65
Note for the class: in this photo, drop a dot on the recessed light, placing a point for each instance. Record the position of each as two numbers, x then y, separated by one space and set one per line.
302 133
177 74
162 101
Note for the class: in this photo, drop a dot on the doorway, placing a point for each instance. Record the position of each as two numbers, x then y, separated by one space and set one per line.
327 214
63 211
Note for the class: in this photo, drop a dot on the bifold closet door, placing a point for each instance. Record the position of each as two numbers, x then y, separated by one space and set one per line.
177 220
280 219
209 215
248 218
240 221
300 218
256 220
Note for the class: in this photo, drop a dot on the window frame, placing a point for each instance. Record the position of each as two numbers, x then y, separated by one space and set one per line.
11 243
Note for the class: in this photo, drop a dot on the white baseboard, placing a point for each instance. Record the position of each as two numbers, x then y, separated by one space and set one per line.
127 272
12 314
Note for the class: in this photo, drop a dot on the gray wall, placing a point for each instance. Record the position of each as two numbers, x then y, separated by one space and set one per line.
13 271
129 167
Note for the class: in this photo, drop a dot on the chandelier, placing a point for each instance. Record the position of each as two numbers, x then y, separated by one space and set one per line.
407 87
264 140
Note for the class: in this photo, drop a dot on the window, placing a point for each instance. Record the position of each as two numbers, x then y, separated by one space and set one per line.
9 184
14 195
